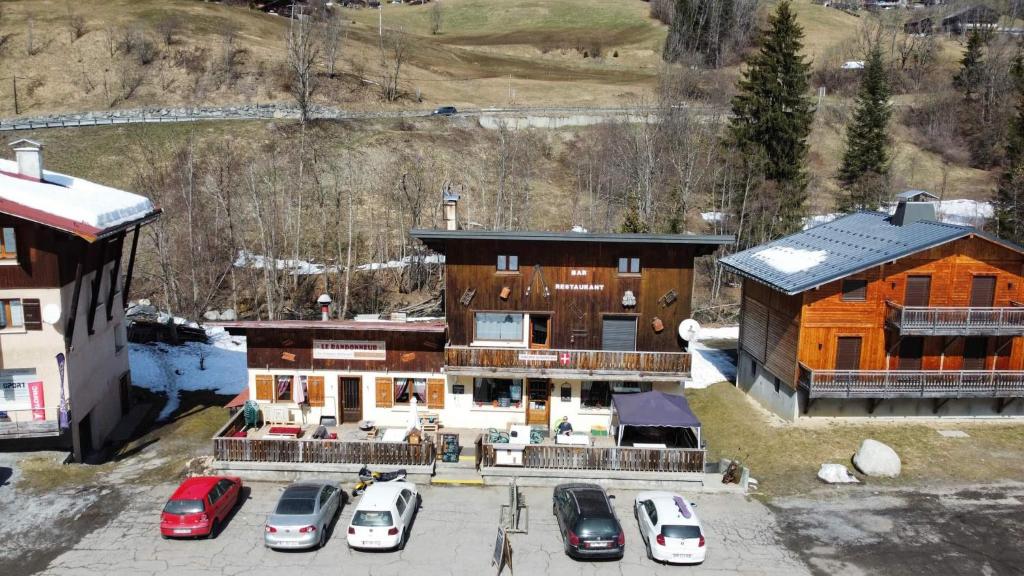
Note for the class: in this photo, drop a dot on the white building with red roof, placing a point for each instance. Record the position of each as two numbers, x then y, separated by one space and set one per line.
63 356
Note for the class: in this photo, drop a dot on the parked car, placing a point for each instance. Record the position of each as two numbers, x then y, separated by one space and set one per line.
670 528
445 111
302 516
384 515
200 506
587 522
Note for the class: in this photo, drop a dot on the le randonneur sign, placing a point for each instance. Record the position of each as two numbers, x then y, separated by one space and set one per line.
349 350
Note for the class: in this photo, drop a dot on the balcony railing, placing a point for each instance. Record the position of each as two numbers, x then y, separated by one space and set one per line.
21 424
939 321
553 362
912 383
626 459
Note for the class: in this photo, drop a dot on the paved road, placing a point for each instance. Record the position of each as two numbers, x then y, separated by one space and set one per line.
453 535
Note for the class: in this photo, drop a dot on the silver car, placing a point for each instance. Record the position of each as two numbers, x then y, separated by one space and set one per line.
303 515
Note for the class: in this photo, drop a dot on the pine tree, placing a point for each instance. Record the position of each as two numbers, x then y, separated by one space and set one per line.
772 116
865 169
1009 198
632 222
971 73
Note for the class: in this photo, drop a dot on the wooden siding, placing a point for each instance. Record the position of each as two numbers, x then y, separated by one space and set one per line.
770 329
632 364
47 258
825 317
283 349
576 315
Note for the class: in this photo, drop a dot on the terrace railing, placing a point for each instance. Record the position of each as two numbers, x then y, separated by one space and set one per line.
625 459
21 424
303 451
912 383
512 361
952 321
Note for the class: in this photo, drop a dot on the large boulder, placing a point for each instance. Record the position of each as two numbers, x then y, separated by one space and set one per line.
836 474
876 459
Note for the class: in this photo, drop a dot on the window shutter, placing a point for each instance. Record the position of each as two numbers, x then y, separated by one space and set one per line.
265 387
315 387
983 291
384 397
618 333
854 290
33 316
848 353
435 393
918 291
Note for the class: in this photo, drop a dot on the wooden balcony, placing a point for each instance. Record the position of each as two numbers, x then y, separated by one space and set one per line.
523 363
948 321
912 383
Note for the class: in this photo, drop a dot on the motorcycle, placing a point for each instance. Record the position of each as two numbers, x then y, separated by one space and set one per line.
367 477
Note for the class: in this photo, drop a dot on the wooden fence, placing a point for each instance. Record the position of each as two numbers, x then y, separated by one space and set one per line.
302 451
626 459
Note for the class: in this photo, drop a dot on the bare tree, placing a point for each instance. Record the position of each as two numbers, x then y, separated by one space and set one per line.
168 28
303 53
436 17
75 23
334 29
395 48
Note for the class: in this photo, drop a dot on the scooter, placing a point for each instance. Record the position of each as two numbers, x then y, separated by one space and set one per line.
367 477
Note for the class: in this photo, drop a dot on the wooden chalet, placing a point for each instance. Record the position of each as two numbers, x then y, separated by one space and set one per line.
888 315
545 325
62 298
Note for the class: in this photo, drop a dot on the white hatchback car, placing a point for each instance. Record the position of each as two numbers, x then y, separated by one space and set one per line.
670 528
383 516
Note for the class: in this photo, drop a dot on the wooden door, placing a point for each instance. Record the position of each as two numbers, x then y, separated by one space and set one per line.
848 353
911 351
983 291
435 393
918 292
975 351
351 399
538 403
540 331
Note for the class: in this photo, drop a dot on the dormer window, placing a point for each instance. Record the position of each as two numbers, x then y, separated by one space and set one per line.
508 263
8 245
628 265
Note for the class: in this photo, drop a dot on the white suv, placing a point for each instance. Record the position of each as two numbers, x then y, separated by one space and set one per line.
384 515
670 528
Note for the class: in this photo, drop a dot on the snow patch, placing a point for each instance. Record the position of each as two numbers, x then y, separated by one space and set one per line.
965 212
168 369
791 260
712 216
72 198
712 365
294 267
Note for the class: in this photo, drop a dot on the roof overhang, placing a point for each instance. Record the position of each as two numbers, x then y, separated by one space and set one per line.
241 326
437 239
75 228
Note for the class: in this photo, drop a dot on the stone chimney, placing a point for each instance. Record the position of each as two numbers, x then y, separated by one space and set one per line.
914 206
29 155
451 202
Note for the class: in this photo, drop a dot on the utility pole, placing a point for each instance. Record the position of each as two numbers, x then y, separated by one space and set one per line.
14 83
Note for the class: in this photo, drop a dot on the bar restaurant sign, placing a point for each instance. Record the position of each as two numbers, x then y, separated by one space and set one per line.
349 350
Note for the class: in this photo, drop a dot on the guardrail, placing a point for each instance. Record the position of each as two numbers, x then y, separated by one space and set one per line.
912 383
512 361
625 459
954 321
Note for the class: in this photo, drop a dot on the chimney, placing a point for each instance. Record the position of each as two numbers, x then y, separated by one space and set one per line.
914 206
30 158
451 202
325 307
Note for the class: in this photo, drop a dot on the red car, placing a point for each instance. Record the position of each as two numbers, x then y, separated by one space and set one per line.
200 506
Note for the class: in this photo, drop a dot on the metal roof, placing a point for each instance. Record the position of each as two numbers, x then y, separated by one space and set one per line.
837 249
438 237
411 325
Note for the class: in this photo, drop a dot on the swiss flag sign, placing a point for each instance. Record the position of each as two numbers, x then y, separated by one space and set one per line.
564 358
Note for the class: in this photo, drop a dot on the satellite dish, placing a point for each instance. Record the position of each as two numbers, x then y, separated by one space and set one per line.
51 313
688 329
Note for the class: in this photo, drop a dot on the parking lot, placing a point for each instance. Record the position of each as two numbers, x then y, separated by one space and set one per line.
454 533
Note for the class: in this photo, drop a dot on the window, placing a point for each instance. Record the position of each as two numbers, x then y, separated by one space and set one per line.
14 389
400 505
855 290
12 314
283 390
629 265
502 391
415 386
508 263
499 327
372 518
598 394
8 245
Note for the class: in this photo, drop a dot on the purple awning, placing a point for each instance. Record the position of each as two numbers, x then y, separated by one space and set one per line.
654 409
